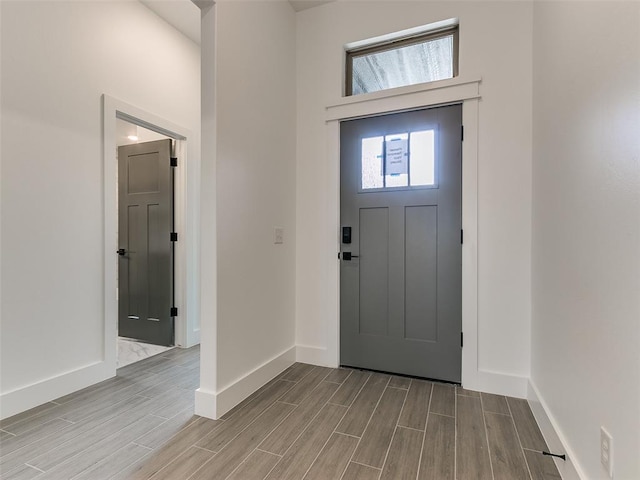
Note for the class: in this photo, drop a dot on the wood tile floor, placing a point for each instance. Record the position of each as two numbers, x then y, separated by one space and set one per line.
308 423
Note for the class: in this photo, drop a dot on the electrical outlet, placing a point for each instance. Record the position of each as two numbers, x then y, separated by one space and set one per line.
606 451
279 235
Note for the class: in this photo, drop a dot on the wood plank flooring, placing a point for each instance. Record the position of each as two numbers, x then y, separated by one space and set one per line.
311 423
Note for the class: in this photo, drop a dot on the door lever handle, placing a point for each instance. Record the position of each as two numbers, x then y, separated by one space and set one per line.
347 256
121 251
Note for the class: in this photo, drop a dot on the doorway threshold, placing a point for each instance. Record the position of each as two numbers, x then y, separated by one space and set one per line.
131 351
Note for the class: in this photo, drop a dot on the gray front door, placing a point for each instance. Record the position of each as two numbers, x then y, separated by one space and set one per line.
401 220
145 221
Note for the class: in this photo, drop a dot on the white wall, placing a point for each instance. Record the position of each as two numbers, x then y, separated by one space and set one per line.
255 182
58 58
586 227
496 45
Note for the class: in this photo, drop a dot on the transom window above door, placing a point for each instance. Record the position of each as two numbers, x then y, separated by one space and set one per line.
408 60
405 159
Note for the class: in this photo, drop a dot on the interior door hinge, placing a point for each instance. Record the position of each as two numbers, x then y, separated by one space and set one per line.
174 311
461 237
174 161
461 339
173 236
462 133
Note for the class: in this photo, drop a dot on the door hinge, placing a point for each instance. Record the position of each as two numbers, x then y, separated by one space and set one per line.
174 161
461 237
173 236
174 311
462 133
461 339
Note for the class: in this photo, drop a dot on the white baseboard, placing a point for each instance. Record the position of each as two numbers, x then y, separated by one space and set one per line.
556 441
496 383
24 398
483 381
313 355
205 403
214 405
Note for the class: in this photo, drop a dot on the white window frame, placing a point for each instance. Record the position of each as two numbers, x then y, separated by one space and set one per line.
400 40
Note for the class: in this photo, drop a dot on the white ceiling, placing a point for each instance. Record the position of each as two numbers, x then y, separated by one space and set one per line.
185 15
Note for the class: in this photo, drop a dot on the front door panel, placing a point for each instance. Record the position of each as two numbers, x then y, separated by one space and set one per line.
145 274
401 194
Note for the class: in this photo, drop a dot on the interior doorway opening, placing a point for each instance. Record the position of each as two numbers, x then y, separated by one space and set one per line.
119 118
137 336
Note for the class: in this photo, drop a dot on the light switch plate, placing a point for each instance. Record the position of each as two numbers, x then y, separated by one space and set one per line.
279 236
606 451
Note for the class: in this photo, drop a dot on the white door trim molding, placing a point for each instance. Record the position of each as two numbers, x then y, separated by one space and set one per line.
456 90
186 224
404 98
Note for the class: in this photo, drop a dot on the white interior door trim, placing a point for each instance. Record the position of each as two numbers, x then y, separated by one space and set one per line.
186 224
407 98
403 98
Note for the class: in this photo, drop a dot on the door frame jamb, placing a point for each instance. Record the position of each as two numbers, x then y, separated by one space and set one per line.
185 254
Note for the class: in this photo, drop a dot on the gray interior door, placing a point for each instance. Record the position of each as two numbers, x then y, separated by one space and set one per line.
401 253
145 211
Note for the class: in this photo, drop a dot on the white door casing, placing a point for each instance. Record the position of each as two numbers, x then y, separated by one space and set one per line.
187 289
456 90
